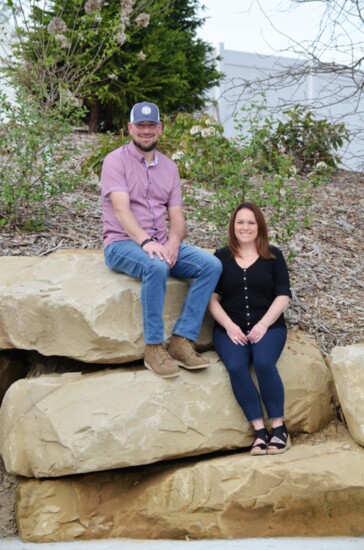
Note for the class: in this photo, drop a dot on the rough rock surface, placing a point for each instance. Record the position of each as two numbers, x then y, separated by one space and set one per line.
8 485
312 490
347 365
72 305
60 425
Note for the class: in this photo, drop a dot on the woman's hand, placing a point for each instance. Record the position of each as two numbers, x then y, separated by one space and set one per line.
236 335
234 332
257 333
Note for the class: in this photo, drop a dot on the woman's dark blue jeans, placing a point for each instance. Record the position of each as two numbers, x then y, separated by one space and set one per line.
264 356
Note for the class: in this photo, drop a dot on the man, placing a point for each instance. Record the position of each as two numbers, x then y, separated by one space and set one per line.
139 187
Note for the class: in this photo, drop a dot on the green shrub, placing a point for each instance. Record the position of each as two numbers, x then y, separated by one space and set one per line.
36 161
248 168
308 140
264 164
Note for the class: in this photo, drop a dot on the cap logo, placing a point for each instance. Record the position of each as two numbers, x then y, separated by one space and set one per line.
146 110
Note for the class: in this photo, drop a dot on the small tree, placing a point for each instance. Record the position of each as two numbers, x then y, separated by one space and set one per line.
165 63
109 55
35 169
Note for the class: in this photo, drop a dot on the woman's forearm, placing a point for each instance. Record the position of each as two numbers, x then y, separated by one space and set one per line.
276 309
218 313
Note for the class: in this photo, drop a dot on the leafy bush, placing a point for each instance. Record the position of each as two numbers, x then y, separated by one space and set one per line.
266 163
36 161
196 144
298 135
308 140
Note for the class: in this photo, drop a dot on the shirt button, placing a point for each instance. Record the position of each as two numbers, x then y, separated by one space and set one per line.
247 307
248 313
245 288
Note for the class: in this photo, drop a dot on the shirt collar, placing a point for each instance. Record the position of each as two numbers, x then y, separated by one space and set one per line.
137 154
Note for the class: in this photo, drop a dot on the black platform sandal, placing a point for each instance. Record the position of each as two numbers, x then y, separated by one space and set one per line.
280 441
260 448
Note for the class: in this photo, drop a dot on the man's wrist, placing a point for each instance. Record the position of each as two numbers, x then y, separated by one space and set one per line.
174 240
146 241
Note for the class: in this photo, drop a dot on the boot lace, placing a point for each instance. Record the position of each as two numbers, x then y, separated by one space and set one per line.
162 352
191 348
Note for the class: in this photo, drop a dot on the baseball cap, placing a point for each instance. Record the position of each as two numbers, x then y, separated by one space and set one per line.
144 112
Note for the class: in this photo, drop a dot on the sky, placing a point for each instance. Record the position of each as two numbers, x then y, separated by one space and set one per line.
241 24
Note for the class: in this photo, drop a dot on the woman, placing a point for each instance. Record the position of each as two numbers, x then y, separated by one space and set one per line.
248 305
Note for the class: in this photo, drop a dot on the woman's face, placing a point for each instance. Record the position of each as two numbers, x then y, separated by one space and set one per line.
245 226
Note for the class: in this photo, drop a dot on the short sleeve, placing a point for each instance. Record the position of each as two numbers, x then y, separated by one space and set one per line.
281 275
113 176
218 289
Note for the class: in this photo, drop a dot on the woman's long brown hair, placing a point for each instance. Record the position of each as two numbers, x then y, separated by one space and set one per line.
262 242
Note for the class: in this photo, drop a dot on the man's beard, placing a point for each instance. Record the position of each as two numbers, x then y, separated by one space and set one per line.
145 148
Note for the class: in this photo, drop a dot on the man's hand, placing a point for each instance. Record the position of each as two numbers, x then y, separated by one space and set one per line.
153 248
172 249
177 228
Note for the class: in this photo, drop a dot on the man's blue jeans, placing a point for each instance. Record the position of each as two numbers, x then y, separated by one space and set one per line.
200 266
264 356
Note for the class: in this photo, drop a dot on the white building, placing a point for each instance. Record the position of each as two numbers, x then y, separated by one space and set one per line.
326 95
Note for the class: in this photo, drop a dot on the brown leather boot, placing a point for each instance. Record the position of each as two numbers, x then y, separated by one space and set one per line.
158 360
183 352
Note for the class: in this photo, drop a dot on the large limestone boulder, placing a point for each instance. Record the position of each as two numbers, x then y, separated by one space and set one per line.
347 365
307 382
57 425
315 489
70 304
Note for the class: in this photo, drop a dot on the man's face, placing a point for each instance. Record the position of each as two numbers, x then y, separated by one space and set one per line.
145 135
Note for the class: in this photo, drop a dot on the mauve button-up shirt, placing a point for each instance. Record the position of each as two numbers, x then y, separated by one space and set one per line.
151 189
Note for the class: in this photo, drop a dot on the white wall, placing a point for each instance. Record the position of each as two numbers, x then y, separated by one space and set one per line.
323 94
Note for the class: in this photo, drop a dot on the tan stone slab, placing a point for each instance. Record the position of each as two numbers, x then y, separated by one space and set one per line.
70 304
347 365
74 423
57 425
312 490
308 384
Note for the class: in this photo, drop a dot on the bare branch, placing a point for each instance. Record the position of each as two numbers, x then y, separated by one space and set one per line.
334 57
